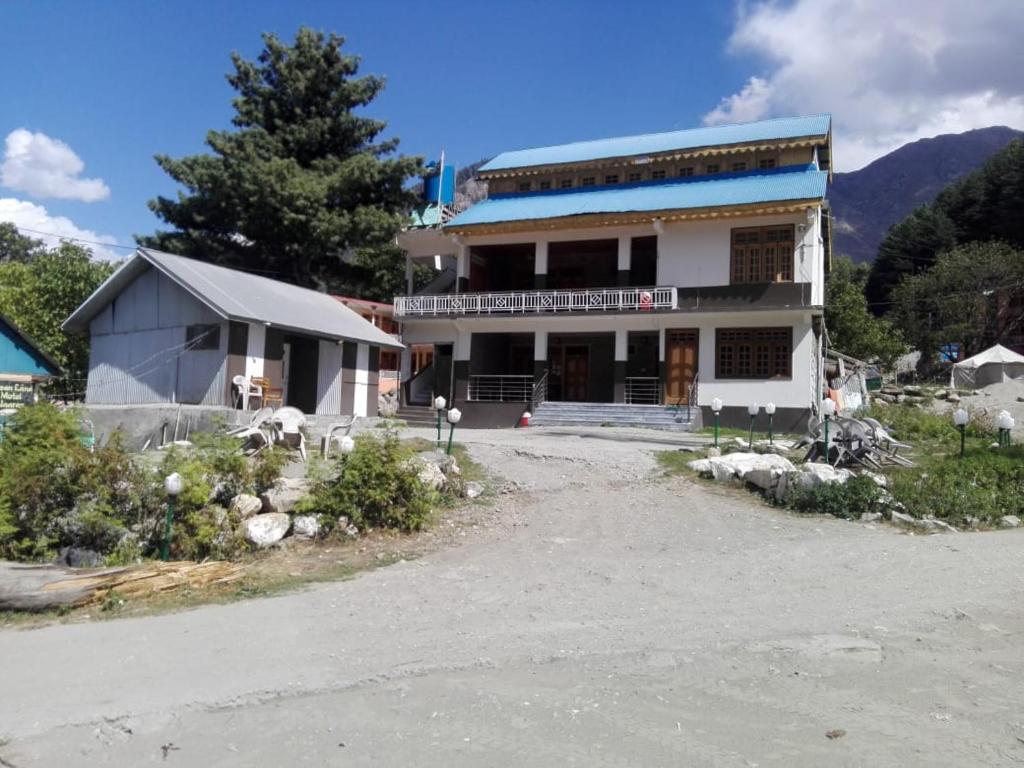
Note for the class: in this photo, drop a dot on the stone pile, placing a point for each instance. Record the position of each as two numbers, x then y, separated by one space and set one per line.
915 394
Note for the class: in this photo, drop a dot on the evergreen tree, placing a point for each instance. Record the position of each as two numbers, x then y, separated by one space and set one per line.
15 246
852 328
305 189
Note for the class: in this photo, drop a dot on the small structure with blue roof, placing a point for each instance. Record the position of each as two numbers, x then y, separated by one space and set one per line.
23 365
639 279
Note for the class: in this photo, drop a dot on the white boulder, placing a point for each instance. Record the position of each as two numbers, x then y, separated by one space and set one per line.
1009 521
760 469
285 495
266 530
306 526
245 505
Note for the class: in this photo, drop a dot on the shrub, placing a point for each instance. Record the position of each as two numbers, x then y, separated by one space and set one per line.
56 493
847 500
923 428
375 486
984 484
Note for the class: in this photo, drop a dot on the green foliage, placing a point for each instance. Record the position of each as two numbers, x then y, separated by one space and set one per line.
15 246
847 500
968 296
304 189
376 486
852 328
40 290
985 484
55 493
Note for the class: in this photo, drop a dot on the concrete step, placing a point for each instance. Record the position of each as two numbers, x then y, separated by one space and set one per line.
614 414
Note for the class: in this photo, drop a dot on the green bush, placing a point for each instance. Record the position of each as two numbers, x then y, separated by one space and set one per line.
375 486
924 429
55 493
847 500
985 484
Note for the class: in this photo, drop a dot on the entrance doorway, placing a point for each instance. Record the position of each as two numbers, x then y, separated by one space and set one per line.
680 365
576 374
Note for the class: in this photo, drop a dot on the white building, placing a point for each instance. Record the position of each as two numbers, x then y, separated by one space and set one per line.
660 270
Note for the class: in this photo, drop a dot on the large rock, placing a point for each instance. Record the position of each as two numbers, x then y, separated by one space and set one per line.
245 505
430 475
266 530
1009 521
441 460
436 469
306 526
809 475
472 490
285 495
760 469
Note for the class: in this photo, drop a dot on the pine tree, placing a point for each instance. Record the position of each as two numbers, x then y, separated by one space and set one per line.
305 189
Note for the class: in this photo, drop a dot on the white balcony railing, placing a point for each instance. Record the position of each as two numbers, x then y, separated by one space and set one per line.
501 389
538 302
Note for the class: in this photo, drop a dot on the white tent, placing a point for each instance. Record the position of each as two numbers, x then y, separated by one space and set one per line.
993 365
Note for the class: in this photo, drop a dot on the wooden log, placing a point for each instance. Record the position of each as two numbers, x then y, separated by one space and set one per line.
43 587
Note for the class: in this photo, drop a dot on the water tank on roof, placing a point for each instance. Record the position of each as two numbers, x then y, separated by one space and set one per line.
439 180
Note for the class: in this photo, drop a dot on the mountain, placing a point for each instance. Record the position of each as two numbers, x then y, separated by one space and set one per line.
867 202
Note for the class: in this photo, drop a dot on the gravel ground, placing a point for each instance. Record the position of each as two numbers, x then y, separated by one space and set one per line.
604 617
1002 396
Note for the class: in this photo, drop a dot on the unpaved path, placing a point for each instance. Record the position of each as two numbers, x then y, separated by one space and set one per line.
605 619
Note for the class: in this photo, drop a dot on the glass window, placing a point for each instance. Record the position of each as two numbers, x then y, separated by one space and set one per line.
658 174
753 353
711 168
762 255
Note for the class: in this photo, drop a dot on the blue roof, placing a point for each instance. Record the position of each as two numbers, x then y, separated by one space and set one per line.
777 185
653 143
20 355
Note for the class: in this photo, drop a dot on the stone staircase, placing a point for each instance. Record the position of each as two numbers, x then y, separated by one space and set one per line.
553 414
418 415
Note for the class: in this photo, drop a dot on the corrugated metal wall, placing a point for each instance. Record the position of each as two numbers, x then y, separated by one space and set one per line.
138 355
328 380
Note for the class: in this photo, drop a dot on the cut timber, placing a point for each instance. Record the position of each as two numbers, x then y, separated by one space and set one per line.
42 587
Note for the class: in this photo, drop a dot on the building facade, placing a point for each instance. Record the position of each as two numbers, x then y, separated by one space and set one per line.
665 270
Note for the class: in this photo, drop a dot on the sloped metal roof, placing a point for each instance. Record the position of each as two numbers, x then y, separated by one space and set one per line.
653 143
236 295
750 187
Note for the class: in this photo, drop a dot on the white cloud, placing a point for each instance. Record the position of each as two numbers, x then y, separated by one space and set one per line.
29 216
45 167
889 72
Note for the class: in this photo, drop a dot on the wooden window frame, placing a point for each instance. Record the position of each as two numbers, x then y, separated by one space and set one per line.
758 354
686 171
739 166
762 254
525 186
635 176
658 174
767 163
545 185
611 178
588 181
712 168
565 184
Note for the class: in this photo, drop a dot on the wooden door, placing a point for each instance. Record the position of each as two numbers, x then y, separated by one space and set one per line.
680 365
576 374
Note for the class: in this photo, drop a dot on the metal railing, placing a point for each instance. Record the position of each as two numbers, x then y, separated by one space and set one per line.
500 388
540 392
691 397
643 390
538 302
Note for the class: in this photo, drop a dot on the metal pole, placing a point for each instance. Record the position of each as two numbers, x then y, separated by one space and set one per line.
165 551
716 429
439 429
770 442
826 440
751 441
963 429
451 434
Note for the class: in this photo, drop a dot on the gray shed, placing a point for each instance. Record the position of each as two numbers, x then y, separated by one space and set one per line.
167 329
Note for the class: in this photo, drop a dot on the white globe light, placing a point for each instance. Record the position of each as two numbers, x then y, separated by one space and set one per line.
439 403
174 484
716 405
1005 420
828 406
770 409
961 417
753 409
454 415
346 444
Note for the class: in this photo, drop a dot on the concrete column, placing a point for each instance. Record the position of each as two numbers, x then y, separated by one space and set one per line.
460 366
540 355
662 370
625 257
408 275
462 269
540 266
621 362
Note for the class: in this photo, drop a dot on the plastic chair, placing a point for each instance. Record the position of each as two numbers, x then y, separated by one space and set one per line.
269 395
342 426
288 424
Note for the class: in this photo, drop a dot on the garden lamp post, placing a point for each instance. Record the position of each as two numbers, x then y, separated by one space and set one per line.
346 445
439 404
173 485
828 410
1005 423
770 410
716 408
960 419
753 410
454 415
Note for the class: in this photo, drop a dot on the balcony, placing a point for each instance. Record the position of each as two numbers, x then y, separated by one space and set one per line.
580 301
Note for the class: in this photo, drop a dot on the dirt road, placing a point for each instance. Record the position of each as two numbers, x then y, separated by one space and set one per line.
607 619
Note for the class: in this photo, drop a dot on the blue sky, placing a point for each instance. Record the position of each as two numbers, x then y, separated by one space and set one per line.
117 82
